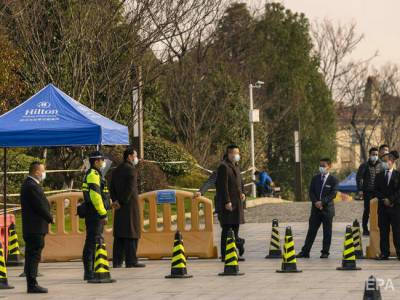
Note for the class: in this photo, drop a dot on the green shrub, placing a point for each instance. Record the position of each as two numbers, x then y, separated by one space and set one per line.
193 180
16 161
161 150
151 177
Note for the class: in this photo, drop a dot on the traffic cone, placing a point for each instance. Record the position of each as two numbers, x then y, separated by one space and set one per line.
371 290
275 243
357 240
349 257
14 255
101 266
3 272
289 263
231 267
178 262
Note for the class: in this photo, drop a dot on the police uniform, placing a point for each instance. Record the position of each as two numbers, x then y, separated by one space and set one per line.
96 198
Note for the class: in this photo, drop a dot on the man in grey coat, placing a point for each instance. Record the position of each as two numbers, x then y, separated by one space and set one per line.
127 225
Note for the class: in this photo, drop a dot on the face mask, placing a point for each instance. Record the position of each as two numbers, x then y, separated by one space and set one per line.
385 165
373 158
322 170
236 158
103 165
135 161
43 176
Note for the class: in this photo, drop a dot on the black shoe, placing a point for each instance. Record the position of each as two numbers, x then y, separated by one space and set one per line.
241 259
382 257
324 255
116 266
37 289
366 232
137 265
303 255
240 246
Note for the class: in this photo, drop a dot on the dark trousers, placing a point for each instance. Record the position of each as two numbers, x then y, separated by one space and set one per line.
34 244
224 234
263 191
389 217
367 199
94 234
316 219
125 249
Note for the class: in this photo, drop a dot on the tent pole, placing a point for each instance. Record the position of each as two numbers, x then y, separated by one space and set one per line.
5 197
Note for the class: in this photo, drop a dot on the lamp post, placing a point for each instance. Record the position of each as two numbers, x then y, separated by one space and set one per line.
137 111
254 116
298 172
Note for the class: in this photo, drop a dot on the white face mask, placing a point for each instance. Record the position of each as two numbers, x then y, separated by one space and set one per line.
43 176
103 165
236 158
135 161
373 158
86 164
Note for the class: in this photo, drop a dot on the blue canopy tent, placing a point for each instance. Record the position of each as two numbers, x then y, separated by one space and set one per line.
52 118
349 185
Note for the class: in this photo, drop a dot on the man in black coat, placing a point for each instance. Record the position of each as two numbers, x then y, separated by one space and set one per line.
366 176
127 225
36 217
230 196
387 187
322 193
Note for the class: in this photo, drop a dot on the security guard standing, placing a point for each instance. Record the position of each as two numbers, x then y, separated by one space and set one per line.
387 186
322 192
96 202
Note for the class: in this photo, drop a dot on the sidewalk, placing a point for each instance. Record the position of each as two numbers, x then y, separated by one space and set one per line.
319 279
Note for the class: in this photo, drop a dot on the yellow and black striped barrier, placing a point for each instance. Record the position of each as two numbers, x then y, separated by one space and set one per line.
178 261
231 267
349 257
14 255
275 243
3 272
289 262
357 240
101 265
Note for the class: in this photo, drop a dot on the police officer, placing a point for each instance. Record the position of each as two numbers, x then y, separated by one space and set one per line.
96 199
388 193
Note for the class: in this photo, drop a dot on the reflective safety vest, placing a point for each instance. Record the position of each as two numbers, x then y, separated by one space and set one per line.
95 192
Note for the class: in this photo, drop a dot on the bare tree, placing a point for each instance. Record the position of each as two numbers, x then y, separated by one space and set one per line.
190 106
334 44
348 81
389 88
89 48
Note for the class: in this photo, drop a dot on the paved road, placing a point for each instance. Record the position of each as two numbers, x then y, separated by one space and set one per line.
319 279
300 212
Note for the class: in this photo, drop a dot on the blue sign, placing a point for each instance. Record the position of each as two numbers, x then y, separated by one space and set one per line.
166 196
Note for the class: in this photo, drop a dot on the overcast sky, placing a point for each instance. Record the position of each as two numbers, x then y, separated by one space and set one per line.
379 21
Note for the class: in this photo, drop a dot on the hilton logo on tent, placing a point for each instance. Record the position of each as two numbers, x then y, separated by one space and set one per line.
43 104
43 109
